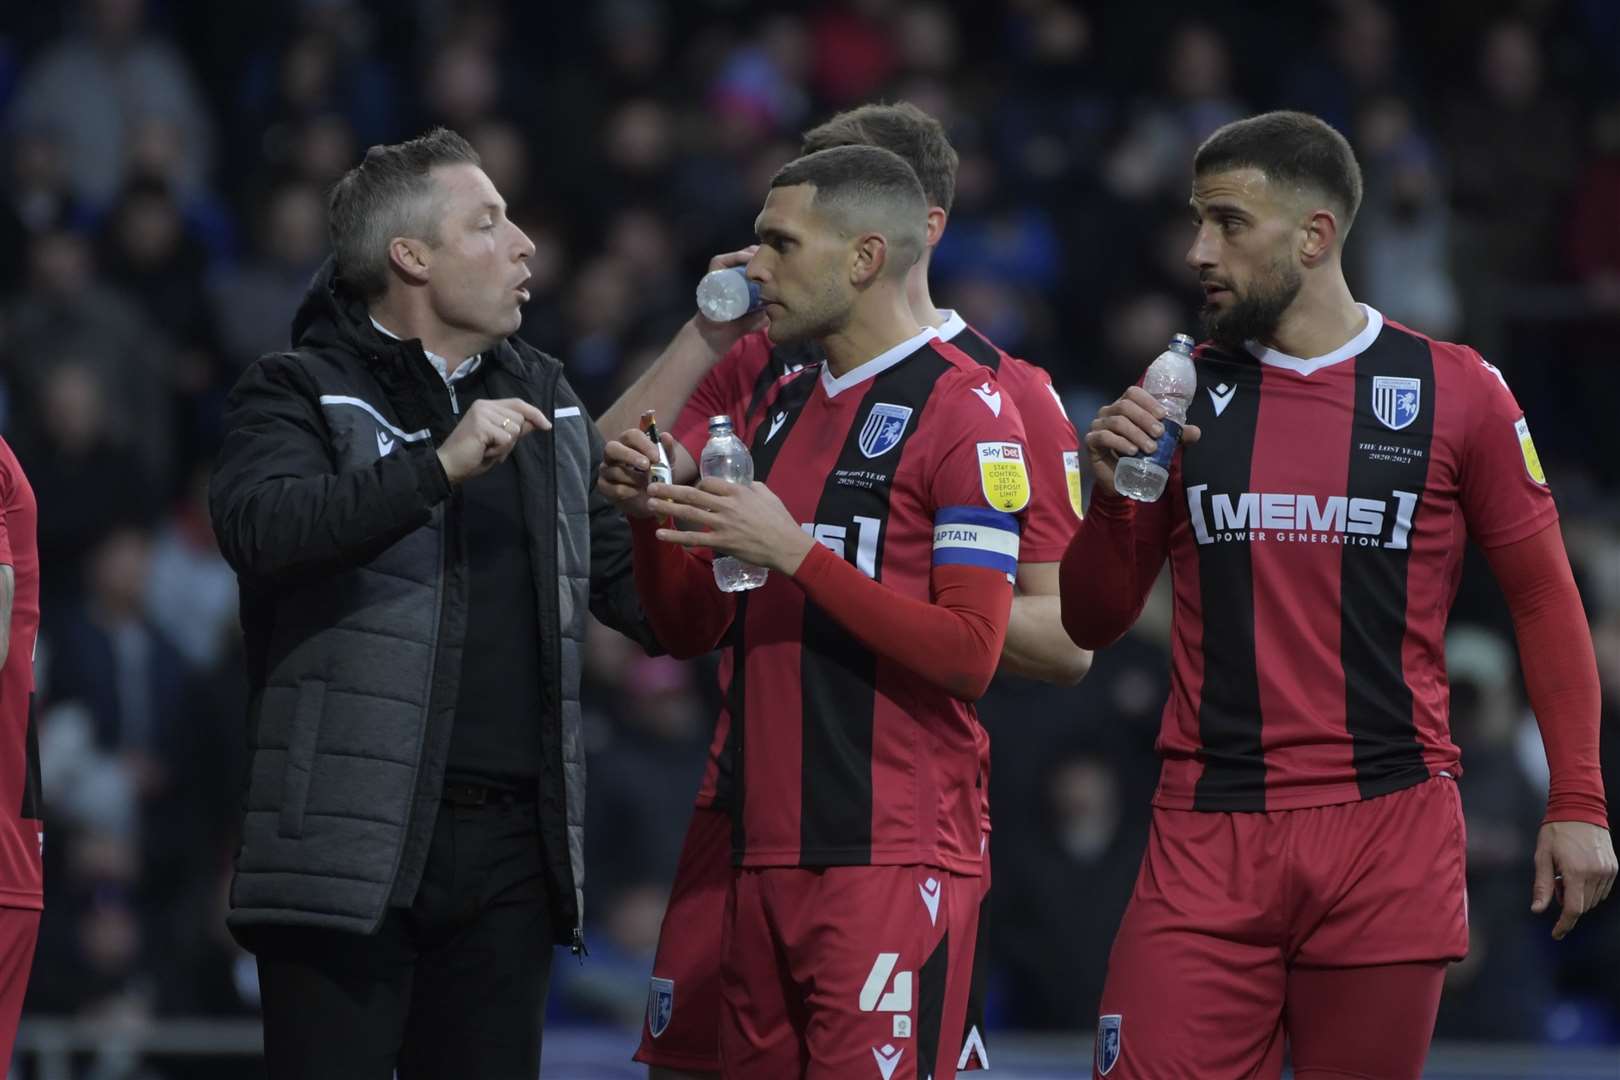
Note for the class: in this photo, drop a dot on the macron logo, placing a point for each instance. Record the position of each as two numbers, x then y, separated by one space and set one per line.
930 898
385 444
991 398
887 1059
776 425
1221 396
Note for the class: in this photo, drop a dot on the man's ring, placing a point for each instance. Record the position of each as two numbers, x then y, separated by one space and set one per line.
506 423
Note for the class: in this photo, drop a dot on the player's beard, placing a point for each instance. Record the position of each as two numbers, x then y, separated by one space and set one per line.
818 316
1254 315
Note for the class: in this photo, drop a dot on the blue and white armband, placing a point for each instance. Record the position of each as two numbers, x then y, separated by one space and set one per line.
976 536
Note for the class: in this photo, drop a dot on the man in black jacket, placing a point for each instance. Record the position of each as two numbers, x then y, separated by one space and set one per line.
407 499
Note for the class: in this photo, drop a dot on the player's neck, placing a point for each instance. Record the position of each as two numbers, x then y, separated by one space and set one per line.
1320 320
922 305
878 324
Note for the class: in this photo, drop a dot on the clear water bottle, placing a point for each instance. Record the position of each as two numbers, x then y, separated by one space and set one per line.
727 295
725 457
1171 380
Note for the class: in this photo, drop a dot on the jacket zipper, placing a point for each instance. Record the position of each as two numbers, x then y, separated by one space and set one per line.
427 697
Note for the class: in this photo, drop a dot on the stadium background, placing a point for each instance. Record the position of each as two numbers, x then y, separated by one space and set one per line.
161 209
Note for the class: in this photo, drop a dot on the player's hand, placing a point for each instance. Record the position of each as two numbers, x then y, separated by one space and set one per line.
1574 863
626 470
1124 427
747 521
486 434
721 336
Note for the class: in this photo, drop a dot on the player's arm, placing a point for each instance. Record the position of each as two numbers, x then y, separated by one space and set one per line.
1574 852
953 640
695 348
1511 515
687 613
1037 645
1115 555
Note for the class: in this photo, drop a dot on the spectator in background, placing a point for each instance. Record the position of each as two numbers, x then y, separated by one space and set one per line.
35 198
1402 258
106 655
87 480
149 255
254 303
1150 160
1504 987
1592 234
1074 869
68 312
1361 66
1512 143
191 592
94 86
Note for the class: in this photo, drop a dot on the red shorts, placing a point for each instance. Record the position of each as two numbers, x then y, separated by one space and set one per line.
682 1027
19 930
976 970
1228 905
846 971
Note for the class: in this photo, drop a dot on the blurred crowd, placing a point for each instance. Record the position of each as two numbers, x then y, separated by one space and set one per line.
163 165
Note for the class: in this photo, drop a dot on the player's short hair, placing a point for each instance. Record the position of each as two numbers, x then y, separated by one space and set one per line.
389 194
866 188
1290 148
903 128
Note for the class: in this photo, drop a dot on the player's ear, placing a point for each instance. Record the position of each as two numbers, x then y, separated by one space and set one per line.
871 256
1320 235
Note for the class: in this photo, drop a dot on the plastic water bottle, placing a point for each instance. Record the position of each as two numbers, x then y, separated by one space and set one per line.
725 457
727 295
1171 380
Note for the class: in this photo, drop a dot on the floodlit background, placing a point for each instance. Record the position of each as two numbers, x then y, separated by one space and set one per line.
162 171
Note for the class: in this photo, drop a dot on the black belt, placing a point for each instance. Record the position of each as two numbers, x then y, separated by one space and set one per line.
486 795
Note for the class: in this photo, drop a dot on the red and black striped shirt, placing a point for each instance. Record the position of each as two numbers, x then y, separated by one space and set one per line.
740 383
834 754
1316 534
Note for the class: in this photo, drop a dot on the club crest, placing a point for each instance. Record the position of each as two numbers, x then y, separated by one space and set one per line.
1396 401
883 428
660 1005
1108 1043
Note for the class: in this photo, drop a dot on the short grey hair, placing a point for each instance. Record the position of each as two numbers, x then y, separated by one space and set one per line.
389 194
861 187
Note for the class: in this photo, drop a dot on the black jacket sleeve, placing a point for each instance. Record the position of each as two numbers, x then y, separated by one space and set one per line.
278 504
613 582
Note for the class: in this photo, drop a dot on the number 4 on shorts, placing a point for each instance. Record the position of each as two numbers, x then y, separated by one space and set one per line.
875 997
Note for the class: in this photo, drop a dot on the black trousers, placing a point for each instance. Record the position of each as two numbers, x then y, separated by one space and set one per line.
451 988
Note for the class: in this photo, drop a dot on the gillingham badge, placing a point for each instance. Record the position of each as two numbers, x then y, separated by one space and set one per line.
1108 1042
660 1005
1396 401
883 428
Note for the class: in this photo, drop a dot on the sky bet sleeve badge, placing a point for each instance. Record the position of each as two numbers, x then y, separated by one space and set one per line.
1071 472
1532 460
1002 473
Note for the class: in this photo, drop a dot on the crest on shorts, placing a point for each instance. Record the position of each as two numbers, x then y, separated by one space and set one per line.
1396 401
883 428
660 1005
1108 1045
